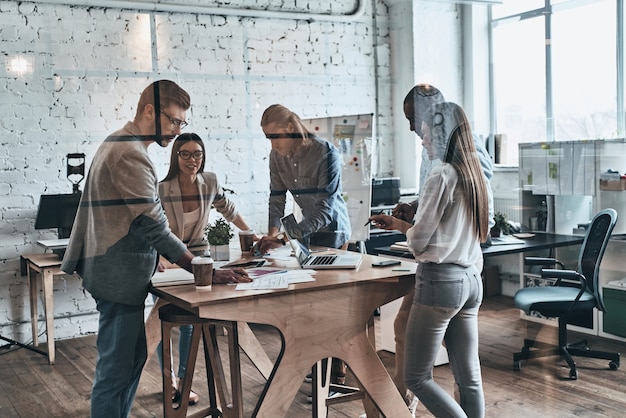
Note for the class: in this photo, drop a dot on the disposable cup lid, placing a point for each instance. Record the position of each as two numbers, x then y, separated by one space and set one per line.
202 260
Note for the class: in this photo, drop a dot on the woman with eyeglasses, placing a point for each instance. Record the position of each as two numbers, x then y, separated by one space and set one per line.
187 193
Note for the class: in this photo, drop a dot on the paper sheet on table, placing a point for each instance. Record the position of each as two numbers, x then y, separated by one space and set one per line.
256 272
279 280
283 254
505 240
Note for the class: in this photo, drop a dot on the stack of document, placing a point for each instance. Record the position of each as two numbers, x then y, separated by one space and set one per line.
171 277
262 278
54 244
505 240
399 246
275 278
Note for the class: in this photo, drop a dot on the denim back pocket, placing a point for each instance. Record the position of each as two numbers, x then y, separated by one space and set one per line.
440 287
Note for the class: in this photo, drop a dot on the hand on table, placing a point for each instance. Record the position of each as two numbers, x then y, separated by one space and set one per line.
231 276
265 244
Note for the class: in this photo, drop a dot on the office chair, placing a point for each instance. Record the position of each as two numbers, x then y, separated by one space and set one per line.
572 293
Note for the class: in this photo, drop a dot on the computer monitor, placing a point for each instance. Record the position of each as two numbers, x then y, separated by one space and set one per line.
57 211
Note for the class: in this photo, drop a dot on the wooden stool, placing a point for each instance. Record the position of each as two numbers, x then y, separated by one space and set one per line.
230 402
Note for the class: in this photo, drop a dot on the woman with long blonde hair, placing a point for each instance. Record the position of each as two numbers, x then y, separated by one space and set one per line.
451 221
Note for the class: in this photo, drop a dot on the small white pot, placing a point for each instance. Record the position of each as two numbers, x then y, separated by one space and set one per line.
220 252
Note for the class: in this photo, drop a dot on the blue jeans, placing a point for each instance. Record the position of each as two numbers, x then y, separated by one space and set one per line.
183 350
122 353
184 342
445 307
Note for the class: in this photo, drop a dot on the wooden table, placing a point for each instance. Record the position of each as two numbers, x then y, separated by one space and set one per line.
316 320
46 266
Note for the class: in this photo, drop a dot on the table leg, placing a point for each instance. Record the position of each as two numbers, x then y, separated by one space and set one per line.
370 408
253 349
153 328
33 291
48 279
374 379
283 385
320 387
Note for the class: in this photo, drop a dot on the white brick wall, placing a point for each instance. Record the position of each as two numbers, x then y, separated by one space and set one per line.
89 66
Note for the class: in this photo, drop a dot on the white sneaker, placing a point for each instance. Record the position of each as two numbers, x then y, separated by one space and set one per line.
411 401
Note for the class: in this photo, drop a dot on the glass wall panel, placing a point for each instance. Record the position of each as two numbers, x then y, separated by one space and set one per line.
508 8
520 86
584 72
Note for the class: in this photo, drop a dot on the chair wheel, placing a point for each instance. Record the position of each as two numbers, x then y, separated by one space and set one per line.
613 365
573 374
517 365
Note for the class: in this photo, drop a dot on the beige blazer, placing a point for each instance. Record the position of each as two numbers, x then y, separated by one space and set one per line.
209 192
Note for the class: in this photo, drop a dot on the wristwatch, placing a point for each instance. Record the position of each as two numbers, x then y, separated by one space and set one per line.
281 237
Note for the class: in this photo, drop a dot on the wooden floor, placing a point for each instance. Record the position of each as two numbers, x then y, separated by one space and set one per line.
29 387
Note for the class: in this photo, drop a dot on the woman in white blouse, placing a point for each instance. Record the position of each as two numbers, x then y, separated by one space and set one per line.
451 221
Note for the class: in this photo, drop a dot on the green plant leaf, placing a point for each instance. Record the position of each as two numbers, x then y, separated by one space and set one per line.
219 233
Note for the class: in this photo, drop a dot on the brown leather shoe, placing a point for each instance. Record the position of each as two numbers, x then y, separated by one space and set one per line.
338 372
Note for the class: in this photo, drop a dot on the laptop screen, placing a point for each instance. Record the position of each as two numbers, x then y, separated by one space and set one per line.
291 228
293 232
299 250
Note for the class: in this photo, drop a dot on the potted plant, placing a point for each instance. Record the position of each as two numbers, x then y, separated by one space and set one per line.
502 224
218 235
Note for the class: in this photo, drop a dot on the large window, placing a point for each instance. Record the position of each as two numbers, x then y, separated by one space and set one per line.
556 72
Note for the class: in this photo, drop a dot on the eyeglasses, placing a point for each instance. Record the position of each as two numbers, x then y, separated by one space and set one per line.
185 155
293 135
176 123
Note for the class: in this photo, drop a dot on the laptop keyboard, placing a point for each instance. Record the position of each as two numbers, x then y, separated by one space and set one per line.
323 260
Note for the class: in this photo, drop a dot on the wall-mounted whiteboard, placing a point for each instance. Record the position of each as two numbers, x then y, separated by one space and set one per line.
352 135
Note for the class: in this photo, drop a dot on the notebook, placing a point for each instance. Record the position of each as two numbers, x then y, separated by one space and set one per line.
316 262
172 277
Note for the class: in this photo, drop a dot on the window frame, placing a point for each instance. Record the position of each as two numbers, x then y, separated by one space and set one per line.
546 12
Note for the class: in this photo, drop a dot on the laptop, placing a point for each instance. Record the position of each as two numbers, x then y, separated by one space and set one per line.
316 262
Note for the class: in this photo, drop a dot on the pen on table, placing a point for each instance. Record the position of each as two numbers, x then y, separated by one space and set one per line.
369 221
400 269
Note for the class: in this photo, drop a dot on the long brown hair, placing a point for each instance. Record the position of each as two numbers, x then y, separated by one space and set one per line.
181 140
282 116
451 129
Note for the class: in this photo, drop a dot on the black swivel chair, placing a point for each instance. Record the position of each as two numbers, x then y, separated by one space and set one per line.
573 293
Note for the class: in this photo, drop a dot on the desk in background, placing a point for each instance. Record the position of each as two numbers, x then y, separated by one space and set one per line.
540 241
325 318
45 266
